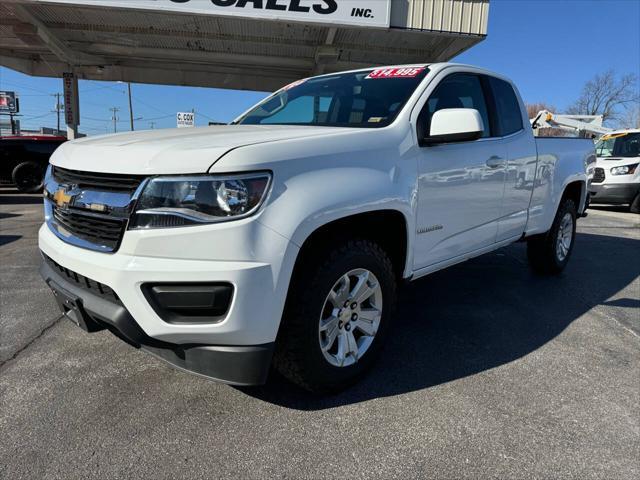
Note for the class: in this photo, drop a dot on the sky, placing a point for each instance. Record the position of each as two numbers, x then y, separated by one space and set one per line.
550 48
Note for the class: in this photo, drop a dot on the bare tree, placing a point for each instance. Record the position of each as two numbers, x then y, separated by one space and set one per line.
532 111
607 95
534 108
631 118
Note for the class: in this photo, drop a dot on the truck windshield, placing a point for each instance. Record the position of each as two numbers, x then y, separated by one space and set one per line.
366 99
619 145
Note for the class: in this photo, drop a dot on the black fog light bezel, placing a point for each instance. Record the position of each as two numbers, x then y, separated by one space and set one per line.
185 303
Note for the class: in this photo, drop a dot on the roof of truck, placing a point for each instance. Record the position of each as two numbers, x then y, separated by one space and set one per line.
432 65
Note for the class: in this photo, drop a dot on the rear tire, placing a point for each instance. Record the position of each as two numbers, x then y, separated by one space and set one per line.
326 313
549 253
634 207
28 177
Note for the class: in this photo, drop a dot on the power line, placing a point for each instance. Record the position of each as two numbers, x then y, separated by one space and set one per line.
161 118
96 119
19 85
103 88
150 106
206 116
35 117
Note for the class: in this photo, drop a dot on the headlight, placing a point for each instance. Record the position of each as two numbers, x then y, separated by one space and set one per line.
195 200
624 170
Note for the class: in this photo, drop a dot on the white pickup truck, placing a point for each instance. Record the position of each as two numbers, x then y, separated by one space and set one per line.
280 240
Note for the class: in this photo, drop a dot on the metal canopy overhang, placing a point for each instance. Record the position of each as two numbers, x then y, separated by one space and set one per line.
123 44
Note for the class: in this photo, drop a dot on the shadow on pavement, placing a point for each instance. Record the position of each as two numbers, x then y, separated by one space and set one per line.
477 316
6 239
13 197
623 302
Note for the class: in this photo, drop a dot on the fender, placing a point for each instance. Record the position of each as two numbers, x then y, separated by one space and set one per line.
555 172
348 173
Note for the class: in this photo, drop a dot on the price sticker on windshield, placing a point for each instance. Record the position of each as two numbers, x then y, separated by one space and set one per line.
293 84
407 72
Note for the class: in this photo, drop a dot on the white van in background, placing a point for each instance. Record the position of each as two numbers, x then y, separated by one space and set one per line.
616 177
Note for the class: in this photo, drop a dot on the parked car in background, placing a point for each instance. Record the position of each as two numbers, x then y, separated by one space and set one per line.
285 235
616 175
24 160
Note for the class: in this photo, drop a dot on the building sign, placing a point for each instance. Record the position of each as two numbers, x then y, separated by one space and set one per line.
366 13
71 105
186 119
8 102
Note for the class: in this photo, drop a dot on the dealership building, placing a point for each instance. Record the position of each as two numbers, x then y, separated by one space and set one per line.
240 44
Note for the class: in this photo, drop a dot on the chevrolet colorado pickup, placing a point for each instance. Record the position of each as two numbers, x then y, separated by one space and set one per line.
280 240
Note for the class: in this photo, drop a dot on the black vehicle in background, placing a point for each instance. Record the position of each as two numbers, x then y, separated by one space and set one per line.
24 160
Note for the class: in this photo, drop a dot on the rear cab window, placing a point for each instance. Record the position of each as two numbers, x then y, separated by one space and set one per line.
508 113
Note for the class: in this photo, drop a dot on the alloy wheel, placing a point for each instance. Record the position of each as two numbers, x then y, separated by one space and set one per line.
350 317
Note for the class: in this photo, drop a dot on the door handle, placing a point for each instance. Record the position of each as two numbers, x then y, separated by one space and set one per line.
495 162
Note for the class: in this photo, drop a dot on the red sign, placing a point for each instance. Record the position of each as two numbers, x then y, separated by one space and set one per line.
294 84
8 102
67 80
405 72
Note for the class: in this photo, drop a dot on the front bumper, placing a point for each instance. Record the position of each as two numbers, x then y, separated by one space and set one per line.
615 193
98 310
236 347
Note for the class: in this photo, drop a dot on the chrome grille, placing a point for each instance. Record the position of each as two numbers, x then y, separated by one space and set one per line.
107 182
598 175
88 209
92 228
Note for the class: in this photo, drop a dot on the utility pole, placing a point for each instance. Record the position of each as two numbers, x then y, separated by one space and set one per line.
58 109
115 111
130 107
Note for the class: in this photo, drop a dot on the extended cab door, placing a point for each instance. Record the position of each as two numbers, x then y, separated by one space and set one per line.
460 185
522 174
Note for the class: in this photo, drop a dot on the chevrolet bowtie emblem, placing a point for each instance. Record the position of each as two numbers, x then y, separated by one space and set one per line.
61 198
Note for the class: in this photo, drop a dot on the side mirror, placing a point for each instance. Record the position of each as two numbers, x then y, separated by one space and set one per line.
454 125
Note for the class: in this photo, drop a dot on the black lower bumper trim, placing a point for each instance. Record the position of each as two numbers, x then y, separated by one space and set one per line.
616 193
236 365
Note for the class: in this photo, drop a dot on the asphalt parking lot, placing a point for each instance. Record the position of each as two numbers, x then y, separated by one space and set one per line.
492 372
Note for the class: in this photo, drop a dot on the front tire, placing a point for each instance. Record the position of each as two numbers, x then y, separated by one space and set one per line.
549 253
28 177
337 317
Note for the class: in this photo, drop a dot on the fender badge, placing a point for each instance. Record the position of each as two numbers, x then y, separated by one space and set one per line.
432 228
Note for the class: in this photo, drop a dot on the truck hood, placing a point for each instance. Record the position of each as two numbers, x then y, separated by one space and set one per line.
177 151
